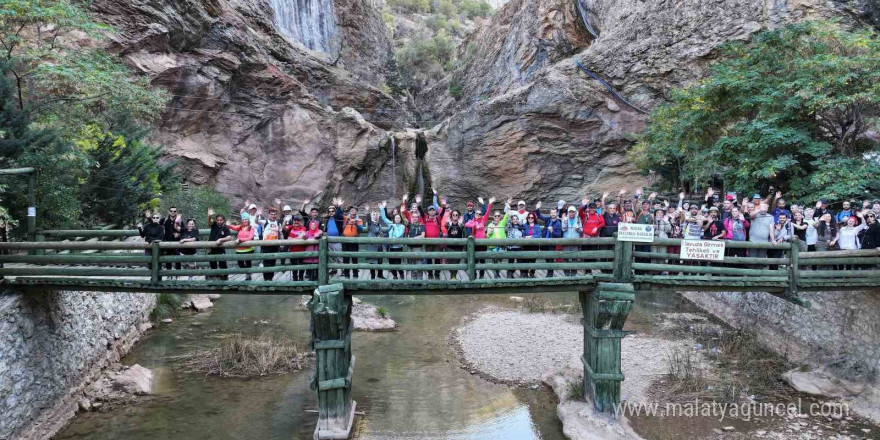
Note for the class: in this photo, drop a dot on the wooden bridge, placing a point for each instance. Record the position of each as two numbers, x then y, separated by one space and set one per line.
605 272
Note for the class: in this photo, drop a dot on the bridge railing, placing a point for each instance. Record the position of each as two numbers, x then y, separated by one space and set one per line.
430 262
830 269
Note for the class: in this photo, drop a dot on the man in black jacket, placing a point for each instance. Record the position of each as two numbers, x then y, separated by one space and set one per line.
172 225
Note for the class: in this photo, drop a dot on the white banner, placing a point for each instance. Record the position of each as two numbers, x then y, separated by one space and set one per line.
702 250
31 211
635 232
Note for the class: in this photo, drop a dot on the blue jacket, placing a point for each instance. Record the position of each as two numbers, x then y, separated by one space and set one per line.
534 231
556 224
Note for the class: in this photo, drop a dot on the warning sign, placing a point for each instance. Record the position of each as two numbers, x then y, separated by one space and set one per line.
702 250
635 232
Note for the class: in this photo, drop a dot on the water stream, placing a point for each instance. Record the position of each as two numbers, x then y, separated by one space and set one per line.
407 382
311 22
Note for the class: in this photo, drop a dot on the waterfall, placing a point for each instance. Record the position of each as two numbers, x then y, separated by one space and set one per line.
421 179
311 22
393 168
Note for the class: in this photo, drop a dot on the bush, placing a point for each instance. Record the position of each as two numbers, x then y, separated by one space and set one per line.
167 306
445 8
474 8
412 6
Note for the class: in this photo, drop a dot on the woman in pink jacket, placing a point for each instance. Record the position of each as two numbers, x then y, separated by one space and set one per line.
478 226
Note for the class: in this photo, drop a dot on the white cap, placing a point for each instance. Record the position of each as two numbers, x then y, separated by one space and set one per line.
286 208
572 209
521 202
253 206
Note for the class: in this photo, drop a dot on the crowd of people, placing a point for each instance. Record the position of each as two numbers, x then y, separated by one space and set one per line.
762 219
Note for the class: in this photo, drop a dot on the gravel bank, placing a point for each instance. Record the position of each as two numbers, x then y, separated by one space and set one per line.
524 348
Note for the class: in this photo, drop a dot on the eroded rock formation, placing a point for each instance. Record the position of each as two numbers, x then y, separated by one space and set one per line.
259 116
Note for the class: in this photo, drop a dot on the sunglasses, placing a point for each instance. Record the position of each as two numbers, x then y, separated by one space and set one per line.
455 215
155 217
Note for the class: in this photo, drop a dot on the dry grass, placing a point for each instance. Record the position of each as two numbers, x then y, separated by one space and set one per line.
686 374
243 356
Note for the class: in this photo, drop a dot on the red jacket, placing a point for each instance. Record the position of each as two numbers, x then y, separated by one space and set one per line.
593 224
432 227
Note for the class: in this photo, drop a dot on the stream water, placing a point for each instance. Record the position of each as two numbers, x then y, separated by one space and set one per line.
408 381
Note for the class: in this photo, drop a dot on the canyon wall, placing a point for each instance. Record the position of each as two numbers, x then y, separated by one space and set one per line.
258 114
52 345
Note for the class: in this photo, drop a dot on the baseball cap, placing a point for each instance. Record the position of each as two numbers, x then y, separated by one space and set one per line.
592 205
286 208
470 203
730 197
756 196
572 209
713 209
252 206
521 202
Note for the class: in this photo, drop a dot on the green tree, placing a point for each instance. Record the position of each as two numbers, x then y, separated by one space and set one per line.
126 174
59 167
794 108
64 82
194 203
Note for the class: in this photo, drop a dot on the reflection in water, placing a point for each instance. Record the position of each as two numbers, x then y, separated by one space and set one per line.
407 382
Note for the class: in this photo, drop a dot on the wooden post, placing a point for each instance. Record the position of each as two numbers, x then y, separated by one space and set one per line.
605 312
471 261
794 276
626 262
154 263
331 339
323 260
618 259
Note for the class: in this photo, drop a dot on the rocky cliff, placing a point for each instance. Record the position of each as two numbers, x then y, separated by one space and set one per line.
258 115
252 112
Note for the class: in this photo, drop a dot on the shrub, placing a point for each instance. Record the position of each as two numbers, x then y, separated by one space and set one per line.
167 306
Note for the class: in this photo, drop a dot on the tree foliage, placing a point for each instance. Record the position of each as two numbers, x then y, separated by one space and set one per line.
194 203
125 176
58 165
796 108
61 76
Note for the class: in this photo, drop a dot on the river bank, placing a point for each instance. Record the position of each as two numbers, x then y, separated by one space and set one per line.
406 381
519 348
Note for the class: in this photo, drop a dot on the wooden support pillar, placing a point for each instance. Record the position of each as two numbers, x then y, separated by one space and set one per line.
605 312
323 260
154 263
794 276
471 261
331 339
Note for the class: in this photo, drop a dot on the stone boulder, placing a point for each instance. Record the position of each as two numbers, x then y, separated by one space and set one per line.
366 317
135 380
200 302
820 382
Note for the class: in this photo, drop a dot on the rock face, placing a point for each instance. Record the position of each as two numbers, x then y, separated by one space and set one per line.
252 113
259 116
54 346
529 124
